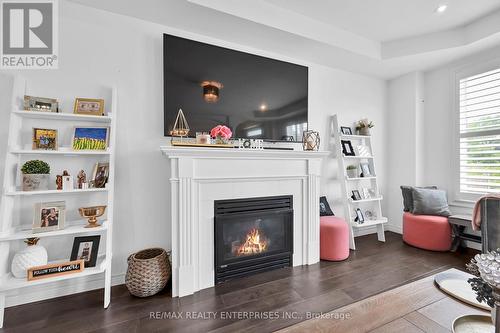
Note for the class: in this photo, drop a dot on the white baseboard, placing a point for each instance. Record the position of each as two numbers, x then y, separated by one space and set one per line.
58 289
394 228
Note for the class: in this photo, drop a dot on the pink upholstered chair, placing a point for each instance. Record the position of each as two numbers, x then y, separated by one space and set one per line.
334 238
427 232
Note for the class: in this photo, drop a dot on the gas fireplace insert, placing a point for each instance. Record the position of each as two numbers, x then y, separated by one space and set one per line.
252 235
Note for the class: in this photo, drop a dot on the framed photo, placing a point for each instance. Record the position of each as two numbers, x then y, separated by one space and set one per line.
359 216
370 215
365 170
347 149
345 130
100 175
363 151
89 106
40 104
49 216
86 249
90 138
356 195
44 139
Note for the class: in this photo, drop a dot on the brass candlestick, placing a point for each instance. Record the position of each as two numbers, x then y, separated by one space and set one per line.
92 213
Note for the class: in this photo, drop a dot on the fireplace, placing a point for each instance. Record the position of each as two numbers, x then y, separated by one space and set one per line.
252 235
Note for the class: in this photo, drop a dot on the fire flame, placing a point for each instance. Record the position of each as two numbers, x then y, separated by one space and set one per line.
253 243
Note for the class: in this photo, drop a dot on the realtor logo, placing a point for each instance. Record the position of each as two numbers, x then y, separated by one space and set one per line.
29 34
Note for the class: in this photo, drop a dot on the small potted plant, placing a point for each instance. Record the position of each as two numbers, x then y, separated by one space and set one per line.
35 175
221 134
363 126
352 171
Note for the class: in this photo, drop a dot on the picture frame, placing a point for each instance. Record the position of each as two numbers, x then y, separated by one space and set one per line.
90 138
365 193
365 169
355 195
55 269
363 151
359 216
370 215
40 104
49 216
44 139
86 248
347 149
345 130
100 175
89 106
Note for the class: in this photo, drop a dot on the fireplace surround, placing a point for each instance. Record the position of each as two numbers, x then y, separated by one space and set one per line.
201 176
252 235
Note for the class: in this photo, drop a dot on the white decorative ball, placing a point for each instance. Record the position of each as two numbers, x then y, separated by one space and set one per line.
33 255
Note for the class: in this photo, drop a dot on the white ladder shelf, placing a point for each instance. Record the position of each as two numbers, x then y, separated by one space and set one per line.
356 183
14 224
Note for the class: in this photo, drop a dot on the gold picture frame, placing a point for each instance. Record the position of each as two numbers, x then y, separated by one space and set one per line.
89 106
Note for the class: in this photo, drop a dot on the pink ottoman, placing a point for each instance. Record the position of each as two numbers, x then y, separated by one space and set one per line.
334 238
427 232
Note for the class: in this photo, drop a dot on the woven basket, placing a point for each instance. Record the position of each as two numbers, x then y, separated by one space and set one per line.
148 272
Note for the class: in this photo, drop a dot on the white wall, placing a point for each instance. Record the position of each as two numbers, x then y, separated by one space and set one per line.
103 49
405 163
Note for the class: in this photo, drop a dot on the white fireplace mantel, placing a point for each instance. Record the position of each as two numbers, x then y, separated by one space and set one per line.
199 176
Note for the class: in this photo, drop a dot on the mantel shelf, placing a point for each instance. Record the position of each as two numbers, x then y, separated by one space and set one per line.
176 152
75 191
62 116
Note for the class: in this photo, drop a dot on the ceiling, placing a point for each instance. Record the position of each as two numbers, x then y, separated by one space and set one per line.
382 38
385 20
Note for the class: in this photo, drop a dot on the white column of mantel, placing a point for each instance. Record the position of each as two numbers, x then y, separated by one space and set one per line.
184 228
313 193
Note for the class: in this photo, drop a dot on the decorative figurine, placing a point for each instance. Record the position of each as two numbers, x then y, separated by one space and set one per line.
59 182
81 179
67 181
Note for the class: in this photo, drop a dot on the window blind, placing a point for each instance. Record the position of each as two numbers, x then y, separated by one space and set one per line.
480 133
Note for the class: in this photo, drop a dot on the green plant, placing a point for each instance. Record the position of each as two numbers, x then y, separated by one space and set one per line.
364 123
351 167
35 167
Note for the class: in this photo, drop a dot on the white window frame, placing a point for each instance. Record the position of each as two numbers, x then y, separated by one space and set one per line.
458 198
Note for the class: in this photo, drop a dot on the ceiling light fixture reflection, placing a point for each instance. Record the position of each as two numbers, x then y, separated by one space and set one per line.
211 91
441 9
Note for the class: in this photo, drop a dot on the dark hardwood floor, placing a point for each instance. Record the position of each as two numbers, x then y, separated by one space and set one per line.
287 293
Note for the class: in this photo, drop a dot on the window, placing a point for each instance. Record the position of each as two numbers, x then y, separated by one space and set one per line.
296 130
480 133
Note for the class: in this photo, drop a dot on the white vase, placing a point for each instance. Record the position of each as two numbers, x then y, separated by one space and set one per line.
31 256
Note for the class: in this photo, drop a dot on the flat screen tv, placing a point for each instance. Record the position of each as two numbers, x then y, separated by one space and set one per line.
257 97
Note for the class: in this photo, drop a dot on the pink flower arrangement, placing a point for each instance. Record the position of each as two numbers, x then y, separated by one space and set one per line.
221 132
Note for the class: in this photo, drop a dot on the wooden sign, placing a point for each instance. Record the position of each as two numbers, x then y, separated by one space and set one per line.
58 269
